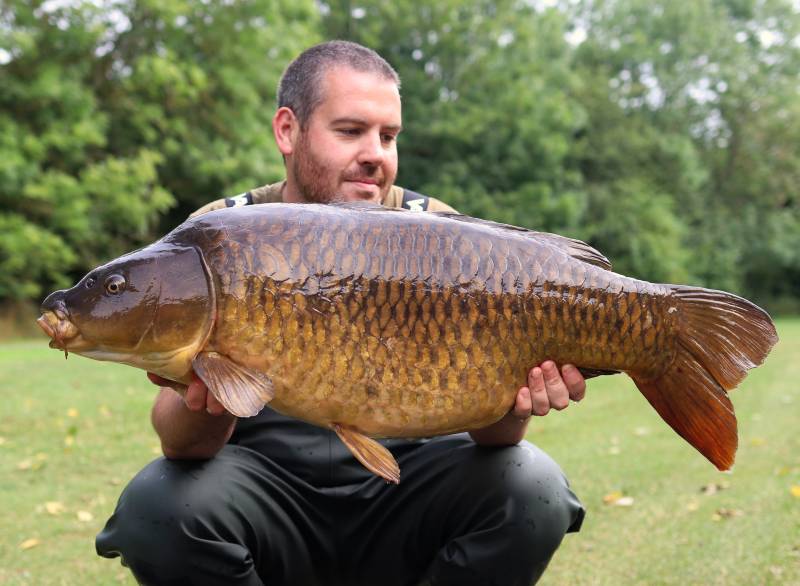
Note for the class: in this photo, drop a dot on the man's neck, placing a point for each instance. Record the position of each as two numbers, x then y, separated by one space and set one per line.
290 193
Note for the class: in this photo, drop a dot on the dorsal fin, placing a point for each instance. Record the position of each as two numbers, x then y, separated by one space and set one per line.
577 249
362 205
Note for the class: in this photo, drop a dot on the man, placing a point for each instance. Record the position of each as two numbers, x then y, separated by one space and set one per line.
274 500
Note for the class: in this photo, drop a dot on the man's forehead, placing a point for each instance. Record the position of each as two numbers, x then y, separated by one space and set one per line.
342 72
345 84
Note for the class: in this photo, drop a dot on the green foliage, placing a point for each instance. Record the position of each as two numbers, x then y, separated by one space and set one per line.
113 113
488 119
636 226
663 133
30 255
696 102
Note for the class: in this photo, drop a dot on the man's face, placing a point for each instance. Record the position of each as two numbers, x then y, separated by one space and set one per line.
348 150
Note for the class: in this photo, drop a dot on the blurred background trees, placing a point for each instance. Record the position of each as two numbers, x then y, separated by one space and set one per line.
665 134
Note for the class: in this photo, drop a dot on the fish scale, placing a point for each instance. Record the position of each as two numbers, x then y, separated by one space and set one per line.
373 298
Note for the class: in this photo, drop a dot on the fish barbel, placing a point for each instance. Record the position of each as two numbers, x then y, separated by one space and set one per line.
378 322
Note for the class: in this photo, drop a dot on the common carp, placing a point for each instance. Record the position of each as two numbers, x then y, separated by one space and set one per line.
378 322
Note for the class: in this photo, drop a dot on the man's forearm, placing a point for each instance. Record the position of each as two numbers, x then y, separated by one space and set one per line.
186 434
509 431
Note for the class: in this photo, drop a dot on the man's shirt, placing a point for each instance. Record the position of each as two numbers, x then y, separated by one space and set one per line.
397 197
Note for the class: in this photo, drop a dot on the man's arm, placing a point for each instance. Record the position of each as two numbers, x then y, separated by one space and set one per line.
547 389
189 421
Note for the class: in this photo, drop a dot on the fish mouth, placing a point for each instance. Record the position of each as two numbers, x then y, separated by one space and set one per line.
63 333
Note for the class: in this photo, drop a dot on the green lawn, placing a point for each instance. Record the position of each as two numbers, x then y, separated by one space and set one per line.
72 433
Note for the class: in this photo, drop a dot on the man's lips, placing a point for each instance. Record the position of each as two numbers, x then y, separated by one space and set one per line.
365 184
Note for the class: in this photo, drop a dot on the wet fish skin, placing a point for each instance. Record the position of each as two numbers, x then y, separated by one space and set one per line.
382 322
367 320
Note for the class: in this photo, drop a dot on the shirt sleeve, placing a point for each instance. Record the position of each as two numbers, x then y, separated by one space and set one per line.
411 200
209 207
264 194
434 205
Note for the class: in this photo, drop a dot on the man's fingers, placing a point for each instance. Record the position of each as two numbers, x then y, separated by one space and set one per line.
165 382
540 403
195 397
576 384
523 404
213 406
556 389
157 380
198 398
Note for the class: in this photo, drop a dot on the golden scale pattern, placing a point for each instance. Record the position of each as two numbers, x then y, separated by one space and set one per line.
402 323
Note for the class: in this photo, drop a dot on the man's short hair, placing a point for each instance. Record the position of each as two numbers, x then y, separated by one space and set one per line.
300 88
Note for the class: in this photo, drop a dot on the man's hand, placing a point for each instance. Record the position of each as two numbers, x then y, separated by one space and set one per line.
195 395
189 420
547 389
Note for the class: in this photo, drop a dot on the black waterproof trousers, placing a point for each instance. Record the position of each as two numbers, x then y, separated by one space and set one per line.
462 515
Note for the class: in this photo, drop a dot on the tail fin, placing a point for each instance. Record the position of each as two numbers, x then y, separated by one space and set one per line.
721 337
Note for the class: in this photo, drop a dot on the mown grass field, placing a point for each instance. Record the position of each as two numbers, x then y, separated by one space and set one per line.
72 433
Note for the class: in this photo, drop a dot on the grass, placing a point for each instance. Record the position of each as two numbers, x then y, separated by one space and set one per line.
72 433
747 532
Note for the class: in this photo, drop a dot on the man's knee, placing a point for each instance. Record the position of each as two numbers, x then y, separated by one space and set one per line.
510 509
150 510
539 507
160 514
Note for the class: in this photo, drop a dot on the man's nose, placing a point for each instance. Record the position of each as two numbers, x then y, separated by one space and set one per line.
372 151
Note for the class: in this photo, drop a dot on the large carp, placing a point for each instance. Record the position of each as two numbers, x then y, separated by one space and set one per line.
385 323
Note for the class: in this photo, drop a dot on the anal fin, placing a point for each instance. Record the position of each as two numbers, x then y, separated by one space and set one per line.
241 390
375 457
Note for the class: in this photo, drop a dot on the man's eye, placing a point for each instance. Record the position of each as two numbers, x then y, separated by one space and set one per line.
350 131
388 137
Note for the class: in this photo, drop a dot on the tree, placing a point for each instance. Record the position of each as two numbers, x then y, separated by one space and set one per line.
711 88
487 113
113 113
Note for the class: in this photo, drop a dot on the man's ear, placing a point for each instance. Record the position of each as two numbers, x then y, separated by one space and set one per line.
286 129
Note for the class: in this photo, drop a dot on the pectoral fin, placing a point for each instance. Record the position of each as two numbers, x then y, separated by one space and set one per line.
375 457
241 390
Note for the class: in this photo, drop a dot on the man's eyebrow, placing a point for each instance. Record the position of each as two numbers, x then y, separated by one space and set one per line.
361 122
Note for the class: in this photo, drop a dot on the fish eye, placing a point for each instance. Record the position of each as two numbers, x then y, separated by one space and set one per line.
115 284
90 282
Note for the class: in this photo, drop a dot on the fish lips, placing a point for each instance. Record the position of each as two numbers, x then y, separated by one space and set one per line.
63 333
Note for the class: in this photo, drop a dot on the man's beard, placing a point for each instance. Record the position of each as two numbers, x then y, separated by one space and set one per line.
311 175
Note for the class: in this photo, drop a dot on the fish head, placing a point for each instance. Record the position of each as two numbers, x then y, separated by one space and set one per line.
152 308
